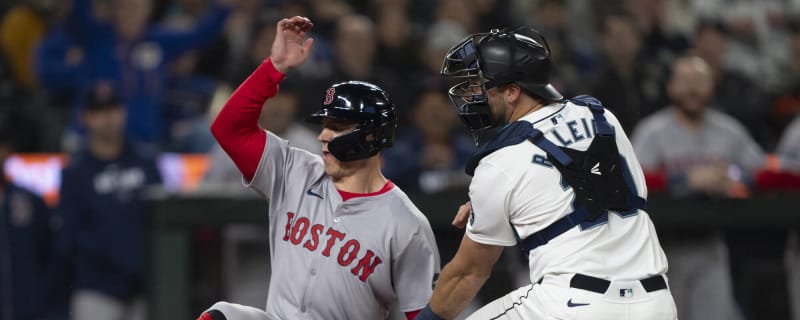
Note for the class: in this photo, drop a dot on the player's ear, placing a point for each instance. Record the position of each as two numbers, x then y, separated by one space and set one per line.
511 93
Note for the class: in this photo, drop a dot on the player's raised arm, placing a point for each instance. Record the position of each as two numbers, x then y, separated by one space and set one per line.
236 127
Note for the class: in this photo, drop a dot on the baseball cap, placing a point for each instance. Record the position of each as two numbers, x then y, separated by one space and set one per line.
102 96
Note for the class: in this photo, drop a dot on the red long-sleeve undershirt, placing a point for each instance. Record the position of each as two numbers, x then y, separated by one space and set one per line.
236 126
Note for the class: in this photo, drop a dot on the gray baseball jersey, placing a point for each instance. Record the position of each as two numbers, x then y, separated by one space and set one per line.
661 141
334 259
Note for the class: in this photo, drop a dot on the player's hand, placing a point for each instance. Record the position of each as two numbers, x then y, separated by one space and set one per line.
290 48
460 221
713 179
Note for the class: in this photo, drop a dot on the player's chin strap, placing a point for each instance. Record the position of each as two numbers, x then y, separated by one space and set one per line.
598 176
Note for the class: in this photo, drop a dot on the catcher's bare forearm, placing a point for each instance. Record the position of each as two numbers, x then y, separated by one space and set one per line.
461 279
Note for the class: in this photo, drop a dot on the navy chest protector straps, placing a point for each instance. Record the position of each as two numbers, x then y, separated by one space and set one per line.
597 175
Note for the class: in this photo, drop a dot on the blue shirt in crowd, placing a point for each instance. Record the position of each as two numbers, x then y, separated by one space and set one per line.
137 69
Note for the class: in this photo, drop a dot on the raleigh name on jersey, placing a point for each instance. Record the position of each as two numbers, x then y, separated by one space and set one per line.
334 259
516 192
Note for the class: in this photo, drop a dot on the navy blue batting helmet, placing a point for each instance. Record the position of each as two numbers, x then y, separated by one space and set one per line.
365 104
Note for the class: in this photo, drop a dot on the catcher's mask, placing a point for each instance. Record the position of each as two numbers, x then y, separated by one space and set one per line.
486 60
369 107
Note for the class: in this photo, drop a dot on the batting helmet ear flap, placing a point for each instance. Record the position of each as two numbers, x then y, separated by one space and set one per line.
362 142
347 146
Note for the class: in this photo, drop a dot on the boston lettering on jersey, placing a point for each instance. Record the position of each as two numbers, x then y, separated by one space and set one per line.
300 229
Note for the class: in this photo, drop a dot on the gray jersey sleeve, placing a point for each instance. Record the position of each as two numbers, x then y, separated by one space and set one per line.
281 164
419 257
416 264
789 147
644 143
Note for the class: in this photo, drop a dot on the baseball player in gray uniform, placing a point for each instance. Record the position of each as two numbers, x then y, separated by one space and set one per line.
560 179
698 151
345 242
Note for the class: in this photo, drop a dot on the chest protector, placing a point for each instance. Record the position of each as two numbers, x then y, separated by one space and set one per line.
597 175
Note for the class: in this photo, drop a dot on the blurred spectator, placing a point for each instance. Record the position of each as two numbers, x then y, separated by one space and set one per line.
356 46
278 116
438 39
628 82
101 243
757 31
318 66
396 40
551 18
25 239
430 155
327 15
258 47
734 93
134 56
459 12
20 30
240 28
187 99
696 152
185 14
660 41
58 64
191 84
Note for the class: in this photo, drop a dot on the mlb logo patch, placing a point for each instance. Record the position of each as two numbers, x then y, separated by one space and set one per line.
626 292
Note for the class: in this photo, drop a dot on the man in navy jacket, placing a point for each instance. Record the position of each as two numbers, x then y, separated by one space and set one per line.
102 207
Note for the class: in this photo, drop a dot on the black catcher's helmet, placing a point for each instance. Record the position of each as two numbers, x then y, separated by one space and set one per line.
369 106
488 60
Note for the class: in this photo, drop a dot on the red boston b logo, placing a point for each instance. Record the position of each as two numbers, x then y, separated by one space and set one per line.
329 96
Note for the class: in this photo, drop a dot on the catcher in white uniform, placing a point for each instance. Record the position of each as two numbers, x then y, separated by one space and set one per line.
559 178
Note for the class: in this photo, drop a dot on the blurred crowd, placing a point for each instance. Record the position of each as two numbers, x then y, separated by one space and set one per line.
709 91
